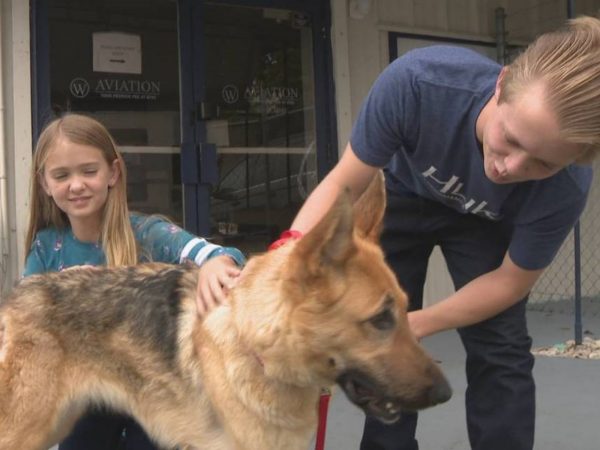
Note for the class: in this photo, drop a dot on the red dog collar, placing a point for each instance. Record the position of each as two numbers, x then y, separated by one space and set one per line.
284 237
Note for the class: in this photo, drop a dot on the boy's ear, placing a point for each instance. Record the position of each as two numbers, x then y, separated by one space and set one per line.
115 172
501 76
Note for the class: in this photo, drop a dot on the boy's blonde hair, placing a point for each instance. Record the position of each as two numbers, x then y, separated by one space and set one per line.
118 241
567 62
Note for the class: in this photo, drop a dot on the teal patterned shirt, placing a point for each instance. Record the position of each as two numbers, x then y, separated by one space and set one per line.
158 240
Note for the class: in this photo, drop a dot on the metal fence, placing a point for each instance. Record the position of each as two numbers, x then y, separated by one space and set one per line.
575 271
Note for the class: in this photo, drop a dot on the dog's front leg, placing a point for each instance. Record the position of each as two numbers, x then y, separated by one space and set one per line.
29 386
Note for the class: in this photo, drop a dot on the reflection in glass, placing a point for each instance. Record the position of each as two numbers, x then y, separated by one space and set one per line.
260 91
139 107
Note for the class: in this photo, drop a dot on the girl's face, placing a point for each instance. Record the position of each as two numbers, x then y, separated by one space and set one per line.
77 177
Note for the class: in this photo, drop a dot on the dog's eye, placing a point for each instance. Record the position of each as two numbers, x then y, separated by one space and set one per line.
384 320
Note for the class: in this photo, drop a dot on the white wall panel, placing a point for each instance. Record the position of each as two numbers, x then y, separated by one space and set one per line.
364 56
16 82
465 15
431 14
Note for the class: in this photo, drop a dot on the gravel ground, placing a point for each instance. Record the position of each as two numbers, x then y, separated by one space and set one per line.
588 349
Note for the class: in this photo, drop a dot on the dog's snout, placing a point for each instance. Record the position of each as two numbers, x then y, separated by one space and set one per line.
440 392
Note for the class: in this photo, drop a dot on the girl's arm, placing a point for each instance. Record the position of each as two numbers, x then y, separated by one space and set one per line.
38 258
219 266
33 263
163 241
215 278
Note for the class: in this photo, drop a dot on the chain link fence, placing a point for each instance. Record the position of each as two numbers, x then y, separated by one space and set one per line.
555 290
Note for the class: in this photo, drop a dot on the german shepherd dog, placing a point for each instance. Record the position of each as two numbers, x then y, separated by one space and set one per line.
322 310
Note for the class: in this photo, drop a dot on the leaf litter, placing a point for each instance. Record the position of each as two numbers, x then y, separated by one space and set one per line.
588 349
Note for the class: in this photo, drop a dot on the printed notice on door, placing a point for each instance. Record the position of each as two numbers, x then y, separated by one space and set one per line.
117 52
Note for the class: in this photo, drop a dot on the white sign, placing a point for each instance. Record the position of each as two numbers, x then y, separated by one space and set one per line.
117 52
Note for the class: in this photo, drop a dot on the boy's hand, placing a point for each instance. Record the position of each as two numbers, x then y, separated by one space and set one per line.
215 278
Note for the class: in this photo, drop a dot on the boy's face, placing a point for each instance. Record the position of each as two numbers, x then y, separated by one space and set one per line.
77 177
521 139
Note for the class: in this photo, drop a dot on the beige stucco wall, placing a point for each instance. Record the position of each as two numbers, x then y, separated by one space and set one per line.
15 115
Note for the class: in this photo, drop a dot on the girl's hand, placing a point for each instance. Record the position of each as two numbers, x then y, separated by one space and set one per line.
215 278
82 266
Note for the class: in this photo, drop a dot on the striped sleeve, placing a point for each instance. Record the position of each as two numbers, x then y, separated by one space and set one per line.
161 240
199 250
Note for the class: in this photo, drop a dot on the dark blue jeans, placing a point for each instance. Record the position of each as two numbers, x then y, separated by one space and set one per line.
500 398
100 430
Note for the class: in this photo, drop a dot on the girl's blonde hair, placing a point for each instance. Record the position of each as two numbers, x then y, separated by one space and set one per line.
118 241
567 62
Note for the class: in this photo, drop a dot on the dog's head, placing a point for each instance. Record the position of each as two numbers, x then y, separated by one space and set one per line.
333 312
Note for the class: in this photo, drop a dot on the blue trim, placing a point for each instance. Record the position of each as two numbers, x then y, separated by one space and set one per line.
203 158
309 6
195 155
190 176
325 114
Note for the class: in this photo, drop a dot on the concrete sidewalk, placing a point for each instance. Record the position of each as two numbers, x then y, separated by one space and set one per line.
568 395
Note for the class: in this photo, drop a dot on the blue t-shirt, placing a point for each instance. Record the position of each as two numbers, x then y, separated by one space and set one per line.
158 240
418 122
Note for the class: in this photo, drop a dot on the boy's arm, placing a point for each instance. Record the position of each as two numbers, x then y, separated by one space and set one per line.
350 172
480 299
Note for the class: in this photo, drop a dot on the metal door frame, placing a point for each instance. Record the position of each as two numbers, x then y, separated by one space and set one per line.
196 186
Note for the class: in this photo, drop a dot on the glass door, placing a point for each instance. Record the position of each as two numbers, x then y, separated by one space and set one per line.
214 104
257 115
117 61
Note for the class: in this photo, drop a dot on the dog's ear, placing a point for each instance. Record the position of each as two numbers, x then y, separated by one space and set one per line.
330 242
369 209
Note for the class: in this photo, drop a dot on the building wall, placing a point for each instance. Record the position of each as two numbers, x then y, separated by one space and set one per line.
15 147
360 46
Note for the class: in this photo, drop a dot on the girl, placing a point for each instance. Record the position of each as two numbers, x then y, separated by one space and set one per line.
79 216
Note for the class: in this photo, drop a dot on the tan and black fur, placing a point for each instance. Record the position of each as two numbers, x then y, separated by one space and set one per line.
319 311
